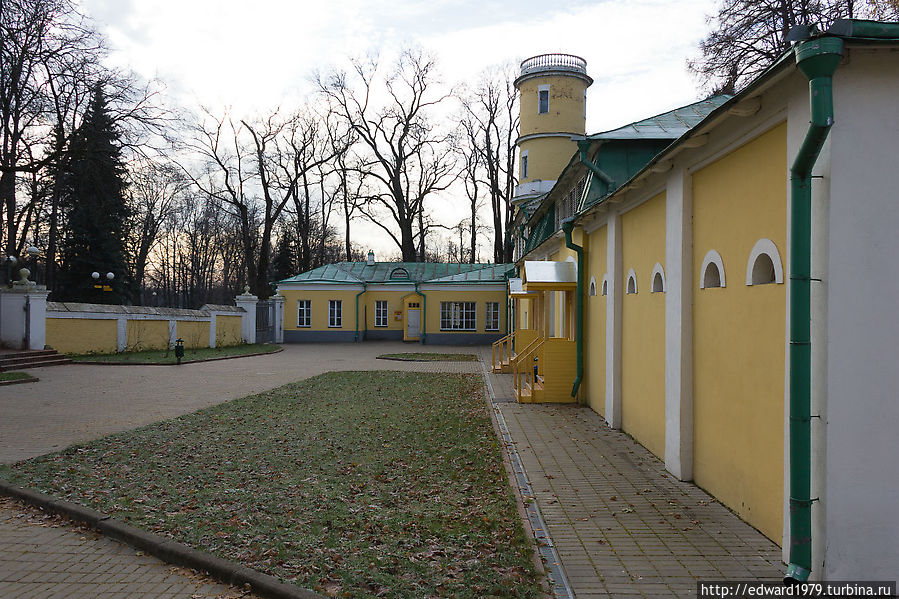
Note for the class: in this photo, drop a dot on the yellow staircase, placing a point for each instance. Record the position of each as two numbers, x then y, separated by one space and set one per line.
553 377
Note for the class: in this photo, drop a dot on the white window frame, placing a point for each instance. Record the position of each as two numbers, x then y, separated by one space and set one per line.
540 91
491 316
458 316
657 271
382 310
304 305
712 257
335 314
524 164
767 247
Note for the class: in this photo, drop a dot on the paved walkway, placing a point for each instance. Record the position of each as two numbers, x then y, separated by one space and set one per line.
621 524
45 557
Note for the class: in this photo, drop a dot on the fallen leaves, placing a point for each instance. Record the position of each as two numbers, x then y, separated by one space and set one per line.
373 484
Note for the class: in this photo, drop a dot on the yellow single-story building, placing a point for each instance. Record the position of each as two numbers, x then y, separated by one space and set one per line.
459 304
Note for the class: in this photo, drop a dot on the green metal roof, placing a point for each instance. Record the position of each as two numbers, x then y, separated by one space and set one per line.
402 273
668 125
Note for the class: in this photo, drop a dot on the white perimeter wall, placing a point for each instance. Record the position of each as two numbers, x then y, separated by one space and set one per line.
862 441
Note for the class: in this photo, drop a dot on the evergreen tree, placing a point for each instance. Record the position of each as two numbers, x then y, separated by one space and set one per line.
283 261
95 211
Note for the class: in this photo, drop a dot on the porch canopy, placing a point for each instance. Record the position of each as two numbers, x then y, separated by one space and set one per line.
549 276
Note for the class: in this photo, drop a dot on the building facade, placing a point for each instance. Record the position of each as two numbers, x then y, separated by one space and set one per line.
405 301
711 292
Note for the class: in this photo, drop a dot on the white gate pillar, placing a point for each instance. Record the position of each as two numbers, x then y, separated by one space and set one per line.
247 301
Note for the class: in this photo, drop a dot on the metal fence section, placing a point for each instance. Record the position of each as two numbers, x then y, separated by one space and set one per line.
265 322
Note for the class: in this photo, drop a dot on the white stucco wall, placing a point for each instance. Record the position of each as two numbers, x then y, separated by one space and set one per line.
862 287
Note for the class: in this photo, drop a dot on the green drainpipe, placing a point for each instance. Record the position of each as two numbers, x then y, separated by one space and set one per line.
568 227
583 145
817 59
364 287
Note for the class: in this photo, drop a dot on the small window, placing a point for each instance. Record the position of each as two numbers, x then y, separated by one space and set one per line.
657 284
592 286
458 316
605 286
631 282
335 313
381 313
399 273
658 279
763 266
413 305
491 323
712 271
763 270
524 165
711 277
543 101
304 313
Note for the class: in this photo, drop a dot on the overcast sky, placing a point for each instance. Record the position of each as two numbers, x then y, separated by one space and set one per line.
255 56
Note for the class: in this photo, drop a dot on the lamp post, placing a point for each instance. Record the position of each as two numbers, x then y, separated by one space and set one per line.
105 286
10 262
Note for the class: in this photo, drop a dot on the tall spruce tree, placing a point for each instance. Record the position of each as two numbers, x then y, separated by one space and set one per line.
95 211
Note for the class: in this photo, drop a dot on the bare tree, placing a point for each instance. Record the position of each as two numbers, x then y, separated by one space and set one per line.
155 191
490 126
402 152
225 181
747 36
36 36
471 163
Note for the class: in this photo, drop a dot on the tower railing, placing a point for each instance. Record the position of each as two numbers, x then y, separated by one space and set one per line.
554 62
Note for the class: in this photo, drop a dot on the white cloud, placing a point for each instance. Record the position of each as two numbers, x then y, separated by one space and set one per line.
254 57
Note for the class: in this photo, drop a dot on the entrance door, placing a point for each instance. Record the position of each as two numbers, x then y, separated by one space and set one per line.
413 325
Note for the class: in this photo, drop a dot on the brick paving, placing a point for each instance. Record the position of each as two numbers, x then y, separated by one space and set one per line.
621 524
45 557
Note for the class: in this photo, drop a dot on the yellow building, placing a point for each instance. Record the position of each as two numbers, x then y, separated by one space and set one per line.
657 263
409 301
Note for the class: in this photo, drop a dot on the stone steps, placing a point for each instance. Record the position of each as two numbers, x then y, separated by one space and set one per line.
32 359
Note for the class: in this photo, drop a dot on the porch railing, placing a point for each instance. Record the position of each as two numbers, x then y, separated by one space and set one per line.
524 377
503 349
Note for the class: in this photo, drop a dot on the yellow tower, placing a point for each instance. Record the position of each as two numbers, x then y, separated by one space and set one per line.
553 106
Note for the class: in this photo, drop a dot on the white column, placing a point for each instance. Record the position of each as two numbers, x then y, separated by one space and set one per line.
613 322
12 318
247 301
37 329
279 317
679 326
213 317
121 333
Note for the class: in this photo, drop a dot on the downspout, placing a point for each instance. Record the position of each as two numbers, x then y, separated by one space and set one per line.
568 227
817 59
364 287
583 145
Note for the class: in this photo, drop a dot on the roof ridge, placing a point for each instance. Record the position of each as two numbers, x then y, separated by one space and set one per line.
691 105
